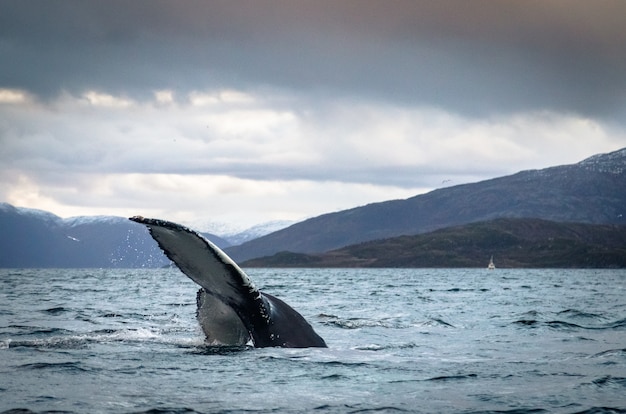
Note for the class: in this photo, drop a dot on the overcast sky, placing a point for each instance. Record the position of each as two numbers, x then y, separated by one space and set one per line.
242 112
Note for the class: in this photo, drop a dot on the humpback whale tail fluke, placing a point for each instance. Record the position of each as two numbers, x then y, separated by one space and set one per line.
231 310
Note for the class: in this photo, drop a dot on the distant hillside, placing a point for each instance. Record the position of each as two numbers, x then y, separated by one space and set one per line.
35 238
239 237
519 243
591 191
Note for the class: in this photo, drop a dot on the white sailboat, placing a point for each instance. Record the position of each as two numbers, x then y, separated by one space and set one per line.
491 266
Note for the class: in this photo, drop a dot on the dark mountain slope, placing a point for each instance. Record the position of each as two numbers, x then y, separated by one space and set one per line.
592 191
513 243
29 238
35 238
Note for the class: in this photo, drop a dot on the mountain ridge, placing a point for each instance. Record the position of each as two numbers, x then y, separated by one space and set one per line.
591 191
38 238
513 242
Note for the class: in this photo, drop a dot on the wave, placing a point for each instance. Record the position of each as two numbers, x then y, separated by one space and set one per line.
567 325
167 410
349 408
62 339
452 377
577 321
437 322
357 323
390 322
457 289
158 410
56 310
206 349
603 410
611 353
618 324
37 330
562 325
526 322
512 411
610 381
375 347
577 314
56 366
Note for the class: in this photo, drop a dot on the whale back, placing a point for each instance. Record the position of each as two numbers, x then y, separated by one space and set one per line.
289 328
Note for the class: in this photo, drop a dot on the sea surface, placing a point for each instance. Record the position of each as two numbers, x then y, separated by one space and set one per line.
408 340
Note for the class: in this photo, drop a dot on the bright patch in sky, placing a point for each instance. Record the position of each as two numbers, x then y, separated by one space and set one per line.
105 100
12 96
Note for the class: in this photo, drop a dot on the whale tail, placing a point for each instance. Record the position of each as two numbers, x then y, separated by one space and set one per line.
229 305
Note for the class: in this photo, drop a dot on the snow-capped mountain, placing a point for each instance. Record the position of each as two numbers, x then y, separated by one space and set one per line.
614 162
235 234
44 216
37 238
87 220
256 231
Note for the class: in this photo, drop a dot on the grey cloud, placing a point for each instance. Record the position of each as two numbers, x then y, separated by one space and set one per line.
480 57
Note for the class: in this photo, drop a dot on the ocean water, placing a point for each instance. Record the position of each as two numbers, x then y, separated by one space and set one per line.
409 340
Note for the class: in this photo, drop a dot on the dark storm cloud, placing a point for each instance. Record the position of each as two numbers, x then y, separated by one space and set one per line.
475 57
